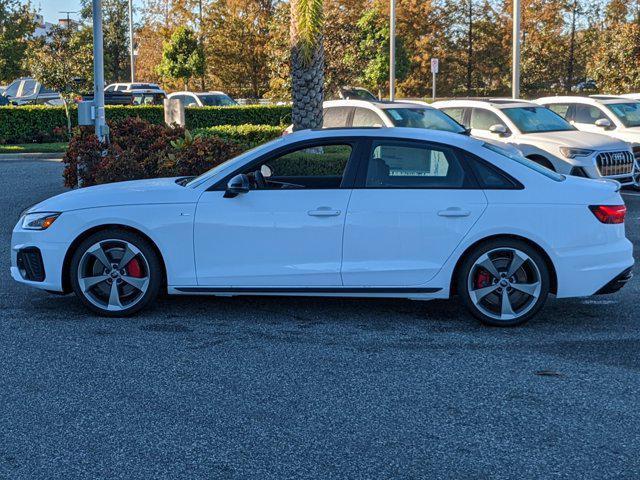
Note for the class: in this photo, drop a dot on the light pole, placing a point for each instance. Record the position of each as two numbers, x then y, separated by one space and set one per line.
515 80
392 52
102 131
133 59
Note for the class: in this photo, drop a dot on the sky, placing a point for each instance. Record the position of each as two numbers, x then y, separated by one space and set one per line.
51 8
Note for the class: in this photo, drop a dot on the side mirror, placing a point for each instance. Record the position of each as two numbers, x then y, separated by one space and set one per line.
498 129
237 185
603 123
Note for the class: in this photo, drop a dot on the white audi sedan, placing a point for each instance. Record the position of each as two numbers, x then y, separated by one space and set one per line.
396 212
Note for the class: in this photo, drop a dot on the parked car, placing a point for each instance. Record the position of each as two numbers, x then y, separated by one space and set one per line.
618 117
356 93
131 98
28 91
362 113
587 85
138 87
204 99
397 212
545 137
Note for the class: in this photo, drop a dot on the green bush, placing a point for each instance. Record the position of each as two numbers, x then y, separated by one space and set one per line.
246 135
38 123
33 124
243 114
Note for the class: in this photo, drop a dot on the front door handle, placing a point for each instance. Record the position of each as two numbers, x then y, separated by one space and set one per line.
454 212
324 212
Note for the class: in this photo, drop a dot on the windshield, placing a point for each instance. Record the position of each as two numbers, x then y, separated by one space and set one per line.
217 100
536 119
424 118
195 182
627 113
524 161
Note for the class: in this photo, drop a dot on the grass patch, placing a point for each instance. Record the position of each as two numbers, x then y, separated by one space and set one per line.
59 147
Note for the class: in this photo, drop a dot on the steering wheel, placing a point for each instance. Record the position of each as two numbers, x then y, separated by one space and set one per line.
259 178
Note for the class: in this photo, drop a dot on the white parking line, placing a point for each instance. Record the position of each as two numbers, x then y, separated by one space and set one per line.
631 194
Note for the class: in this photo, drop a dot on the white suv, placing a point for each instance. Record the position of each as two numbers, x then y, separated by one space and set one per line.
134 88
545 137
617 117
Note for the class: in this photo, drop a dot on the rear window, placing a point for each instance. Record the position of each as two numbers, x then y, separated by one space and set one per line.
525 161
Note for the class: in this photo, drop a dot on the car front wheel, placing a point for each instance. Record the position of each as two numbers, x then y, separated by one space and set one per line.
115 273
503 282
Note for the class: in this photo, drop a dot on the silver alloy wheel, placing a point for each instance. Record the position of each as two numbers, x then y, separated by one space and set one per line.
107 277
504 283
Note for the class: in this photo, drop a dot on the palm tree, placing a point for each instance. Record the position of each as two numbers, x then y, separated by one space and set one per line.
307 63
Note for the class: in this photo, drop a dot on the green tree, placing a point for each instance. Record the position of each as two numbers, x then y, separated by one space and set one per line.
115 25
64 62
307 63
17 23
373 51
182 57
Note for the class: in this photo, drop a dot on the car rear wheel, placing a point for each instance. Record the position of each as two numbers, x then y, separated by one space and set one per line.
503 282
116 273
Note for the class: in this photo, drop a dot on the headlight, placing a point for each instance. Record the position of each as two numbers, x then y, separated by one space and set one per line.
569 152
39 221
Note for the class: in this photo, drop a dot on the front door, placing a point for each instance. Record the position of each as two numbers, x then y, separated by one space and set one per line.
413 204
287 230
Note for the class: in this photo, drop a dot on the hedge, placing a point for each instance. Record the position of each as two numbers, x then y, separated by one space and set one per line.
246 135
38 123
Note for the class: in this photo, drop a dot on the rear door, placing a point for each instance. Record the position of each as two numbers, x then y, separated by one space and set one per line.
413 204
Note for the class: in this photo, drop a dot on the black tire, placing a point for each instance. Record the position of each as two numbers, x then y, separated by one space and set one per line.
469 262
155 271
542 161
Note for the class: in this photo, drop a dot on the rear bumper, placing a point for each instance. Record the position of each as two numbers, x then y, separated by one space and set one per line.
617 282
586 271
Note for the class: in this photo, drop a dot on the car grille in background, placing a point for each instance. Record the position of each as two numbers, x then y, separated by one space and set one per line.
615 163
636 154
30 264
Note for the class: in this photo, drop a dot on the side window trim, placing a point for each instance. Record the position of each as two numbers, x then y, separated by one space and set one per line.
361 177
348 180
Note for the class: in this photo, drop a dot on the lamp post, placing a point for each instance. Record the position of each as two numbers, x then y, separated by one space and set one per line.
102 131
515 79
392 51
133 58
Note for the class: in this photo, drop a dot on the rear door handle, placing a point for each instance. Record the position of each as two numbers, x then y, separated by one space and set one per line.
454 212
324 212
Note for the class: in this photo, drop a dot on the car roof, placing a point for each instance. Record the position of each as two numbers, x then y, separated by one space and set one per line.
381 104
498 103
590 100
436 136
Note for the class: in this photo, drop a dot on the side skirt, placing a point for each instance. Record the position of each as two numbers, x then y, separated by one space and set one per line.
409 292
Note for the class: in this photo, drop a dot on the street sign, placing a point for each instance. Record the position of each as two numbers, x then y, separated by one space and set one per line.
435 64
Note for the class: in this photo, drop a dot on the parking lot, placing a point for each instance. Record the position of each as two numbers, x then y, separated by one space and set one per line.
275 388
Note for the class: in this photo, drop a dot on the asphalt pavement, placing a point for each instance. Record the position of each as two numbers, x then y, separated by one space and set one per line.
276 388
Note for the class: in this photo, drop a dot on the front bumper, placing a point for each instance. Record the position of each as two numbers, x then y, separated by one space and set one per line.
52 256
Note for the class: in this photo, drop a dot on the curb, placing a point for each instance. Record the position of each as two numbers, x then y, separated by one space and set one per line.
31 156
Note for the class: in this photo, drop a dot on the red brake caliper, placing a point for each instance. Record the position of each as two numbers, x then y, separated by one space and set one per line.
133 268
483 279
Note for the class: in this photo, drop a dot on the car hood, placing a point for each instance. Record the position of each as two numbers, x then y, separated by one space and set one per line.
138 192
577 139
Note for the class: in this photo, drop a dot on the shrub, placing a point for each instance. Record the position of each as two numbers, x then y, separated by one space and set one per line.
247 135
48 124
140 149
204 117
37 123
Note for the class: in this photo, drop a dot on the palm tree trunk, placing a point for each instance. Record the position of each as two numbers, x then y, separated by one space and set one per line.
307 64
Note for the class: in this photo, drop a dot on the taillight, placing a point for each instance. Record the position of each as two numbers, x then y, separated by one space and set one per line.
609 213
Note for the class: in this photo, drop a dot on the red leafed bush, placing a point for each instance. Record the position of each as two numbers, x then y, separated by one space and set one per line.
139 149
